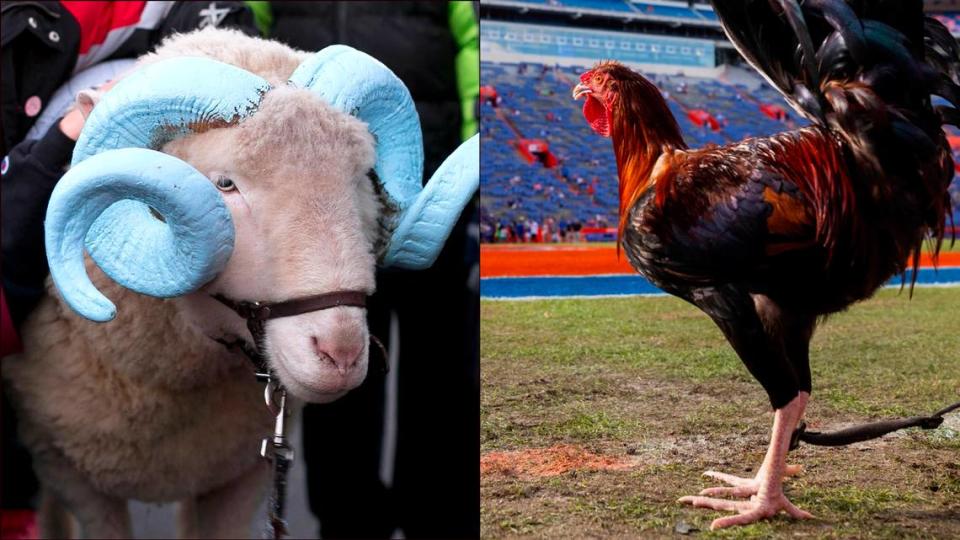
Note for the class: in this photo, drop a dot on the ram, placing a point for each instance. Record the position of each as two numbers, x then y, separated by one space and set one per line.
224 170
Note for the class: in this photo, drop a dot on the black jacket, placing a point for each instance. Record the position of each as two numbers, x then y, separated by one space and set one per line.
435 491
411 38
40 44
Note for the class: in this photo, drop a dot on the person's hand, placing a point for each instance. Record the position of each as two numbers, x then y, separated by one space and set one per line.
72 123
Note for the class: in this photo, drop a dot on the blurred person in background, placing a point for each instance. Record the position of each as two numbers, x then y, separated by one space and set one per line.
44 45
366 477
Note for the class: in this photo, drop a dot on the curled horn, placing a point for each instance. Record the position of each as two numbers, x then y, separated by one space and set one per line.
359 85
149 108
102 200
106 201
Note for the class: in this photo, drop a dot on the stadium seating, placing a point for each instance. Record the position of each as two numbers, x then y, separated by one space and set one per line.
666 11
627 8
583 187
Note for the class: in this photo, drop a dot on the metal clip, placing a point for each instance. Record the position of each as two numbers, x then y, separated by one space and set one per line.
276 445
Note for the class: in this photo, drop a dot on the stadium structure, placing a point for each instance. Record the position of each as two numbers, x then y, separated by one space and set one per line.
542 165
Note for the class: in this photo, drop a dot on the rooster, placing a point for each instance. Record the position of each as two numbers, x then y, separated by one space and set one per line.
769 235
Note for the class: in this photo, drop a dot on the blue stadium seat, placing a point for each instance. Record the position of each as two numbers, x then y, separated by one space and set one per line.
585 155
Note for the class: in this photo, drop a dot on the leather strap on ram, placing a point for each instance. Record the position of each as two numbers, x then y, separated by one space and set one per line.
257 313
263 311
276 449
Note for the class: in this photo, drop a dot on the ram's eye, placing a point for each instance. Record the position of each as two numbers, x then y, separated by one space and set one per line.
225 184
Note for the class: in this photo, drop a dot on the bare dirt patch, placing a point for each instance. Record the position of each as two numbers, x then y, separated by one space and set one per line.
552 461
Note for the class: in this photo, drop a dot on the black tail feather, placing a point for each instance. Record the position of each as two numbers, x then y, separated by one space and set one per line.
865 70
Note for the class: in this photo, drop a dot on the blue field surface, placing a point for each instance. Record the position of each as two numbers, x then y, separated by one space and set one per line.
635 284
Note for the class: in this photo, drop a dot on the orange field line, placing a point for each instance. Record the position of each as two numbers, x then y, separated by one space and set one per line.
559 260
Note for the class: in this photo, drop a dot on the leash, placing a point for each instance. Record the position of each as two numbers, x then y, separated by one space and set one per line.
276 448
868 431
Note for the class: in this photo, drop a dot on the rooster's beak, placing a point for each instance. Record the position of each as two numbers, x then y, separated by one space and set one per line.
581 89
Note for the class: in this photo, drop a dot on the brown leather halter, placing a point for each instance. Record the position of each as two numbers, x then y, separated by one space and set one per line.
258 313
276 449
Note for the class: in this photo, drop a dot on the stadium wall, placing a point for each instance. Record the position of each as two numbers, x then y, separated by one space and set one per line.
508 42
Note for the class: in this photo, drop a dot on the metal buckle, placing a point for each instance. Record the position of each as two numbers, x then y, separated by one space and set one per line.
253 310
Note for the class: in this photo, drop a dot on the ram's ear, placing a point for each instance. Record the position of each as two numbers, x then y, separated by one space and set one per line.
87 100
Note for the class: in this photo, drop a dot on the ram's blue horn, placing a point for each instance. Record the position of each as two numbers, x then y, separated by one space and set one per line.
166 100
162 258
145 110
360 85
425 225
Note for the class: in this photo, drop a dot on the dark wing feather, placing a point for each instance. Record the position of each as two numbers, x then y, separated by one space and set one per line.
726 232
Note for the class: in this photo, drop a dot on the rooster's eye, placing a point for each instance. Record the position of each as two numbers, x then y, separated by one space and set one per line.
596 78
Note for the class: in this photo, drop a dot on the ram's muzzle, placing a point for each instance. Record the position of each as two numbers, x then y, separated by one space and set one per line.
104 202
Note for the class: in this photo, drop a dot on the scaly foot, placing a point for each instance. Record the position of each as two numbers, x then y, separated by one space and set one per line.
756 509
742 487
766 489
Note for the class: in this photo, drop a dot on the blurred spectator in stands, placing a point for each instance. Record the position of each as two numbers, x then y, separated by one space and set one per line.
486 232
520 231
552 233
429 486
533 231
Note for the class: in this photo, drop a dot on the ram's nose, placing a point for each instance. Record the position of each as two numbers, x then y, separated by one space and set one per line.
342 354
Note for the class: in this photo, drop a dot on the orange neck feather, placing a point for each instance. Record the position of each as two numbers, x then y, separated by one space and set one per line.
642 128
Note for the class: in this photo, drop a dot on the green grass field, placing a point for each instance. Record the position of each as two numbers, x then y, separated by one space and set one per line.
651 381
